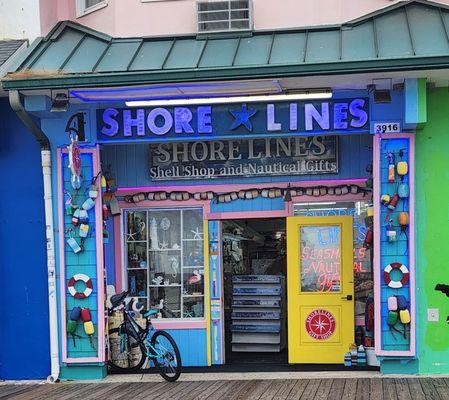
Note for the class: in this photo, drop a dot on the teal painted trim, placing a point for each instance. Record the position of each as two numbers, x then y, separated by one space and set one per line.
83 372
411 103
213 74
415 103
399 366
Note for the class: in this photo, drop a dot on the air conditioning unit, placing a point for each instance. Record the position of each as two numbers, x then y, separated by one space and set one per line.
224 15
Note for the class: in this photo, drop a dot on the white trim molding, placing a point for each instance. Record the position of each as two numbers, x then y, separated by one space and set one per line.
82 10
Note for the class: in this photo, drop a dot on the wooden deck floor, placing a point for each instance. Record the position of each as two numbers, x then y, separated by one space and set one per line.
299 389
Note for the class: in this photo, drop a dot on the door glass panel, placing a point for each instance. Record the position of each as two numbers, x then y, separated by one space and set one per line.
320 257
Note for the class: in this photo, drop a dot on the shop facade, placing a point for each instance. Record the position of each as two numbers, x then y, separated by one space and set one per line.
255 225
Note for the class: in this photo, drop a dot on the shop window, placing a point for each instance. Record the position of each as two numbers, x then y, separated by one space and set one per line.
165 260
84 7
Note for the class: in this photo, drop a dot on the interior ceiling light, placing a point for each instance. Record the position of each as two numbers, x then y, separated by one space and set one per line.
312 95
173 91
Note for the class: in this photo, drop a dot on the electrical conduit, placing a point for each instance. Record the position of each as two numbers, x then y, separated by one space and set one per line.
16 105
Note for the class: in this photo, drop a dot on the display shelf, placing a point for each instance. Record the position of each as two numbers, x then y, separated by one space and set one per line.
192 295
157 251
258 313
166 286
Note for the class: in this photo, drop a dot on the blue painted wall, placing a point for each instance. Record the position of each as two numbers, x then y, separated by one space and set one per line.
24 333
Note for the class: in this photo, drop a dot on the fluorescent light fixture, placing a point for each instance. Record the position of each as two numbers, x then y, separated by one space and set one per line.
312 95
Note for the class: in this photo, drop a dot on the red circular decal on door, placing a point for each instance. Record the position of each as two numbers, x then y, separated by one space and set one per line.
320 324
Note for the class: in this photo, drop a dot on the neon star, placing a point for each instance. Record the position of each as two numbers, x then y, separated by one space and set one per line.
242 117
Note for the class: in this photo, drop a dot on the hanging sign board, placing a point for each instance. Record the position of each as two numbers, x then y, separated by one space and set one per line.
205 122
302 155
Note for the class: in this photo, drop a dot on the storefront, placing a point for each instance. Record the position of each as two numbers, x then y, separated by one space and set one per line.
278 229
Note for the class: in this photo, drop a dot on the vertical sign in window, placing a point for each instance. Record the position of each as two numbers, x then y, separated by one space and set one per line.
320 258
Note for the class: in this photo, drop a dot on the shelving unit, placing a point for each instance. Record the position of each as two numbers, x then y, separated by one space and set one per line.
258 313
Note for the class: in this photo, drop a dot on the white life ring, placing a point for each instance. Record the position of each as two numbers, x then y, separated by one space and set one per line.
405 275
87 291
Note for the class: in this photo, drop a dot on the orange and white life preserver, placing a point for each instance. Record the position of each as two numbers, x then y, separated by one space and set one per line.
405 275
88 289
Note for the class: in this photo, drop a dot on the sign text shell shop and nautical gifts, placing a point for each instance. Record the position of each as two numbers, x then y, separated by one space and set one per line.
301 155
228 121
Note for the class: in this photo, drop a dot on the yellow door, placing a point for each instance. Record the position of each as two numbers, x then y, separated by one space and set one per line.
320 289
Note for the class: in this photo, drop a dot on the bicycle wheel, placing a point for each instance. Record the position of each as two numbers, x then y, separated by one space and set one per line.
126 352
167 357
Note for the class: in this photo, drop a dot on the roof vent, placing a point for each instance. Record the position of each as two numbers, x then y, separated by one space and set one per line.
224 15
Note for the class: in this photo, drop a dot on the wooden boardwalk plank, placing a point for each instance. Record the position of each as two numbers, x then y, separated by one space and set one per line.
337 388
297 390
441 388
227 389
216 386
429 389
363 389
7 391
286 389
376 391
273 389
245 391
402 389
350 389
415 388
145 389
184 390
311 389
194 393
389 389
324 389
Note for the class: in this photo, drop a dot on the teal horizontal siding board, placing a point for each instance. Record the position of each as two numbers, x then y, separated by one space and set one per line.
288 48
219 52
151 55
393 35
118 56
85 56
184 54
253 50
323 46
358 42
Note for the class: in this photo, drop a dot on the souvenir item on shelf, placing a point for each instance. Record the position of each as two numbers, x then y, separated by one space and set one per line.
166 282
174 266
154 242
88 325
392 283
163 245
370 211
368 242
105 212
87 290
390 158
391 232
75 163
176 246
197 234
195 278
165 224
158 280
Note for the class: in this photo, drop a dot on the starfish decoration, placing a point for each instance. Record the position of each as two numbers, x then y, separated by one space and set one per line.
163 245
242 117
197 234
131 236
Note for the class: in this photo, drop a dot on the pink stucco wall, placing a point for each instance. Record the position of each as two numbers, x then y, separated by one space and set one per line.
172 17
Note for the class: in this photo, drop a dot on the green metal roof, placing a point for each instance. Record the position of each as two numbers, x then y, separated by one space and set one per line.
405 36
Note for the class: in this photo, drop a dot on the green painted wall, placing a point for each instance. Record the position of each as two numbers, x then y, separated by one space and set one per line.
432 230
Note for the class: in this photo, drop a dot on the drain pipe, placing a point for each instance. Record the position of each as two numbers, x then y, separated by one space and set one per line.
16 105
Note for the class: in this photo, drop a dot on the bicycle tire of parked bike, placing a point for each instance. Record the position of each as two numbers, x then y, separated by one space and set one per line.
135 351
172 357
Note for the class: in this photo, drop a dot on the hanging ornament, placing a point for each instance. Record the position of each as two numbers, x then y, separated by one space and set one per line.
165 224
391 232
75 163
390 158
403 190
392 283
89 328
385 199
87 290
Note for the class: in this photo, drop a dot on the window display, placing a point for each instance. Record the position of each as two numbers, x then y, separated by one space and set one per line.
165 260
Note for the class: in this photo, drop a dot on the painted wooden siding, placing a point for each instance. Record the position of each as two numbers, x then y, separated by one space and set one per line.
129 164
192 345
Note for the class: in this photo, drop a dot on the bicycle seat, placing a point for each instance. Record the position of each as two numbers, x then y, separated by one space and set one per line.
149 313
117 299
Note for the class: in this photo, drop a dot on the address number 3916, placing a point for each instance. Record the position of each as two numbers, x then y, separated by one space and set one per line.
387 127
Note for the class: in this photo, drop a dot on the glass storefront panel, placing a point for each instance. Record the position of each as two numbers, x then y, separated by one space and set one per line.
165 260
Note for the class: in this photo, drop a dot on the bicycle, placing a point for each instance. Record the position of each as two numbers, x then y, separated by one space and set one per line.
137 344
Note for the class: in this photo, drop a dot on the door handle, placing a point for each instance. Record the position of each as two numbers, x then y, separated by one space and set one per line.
347 297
